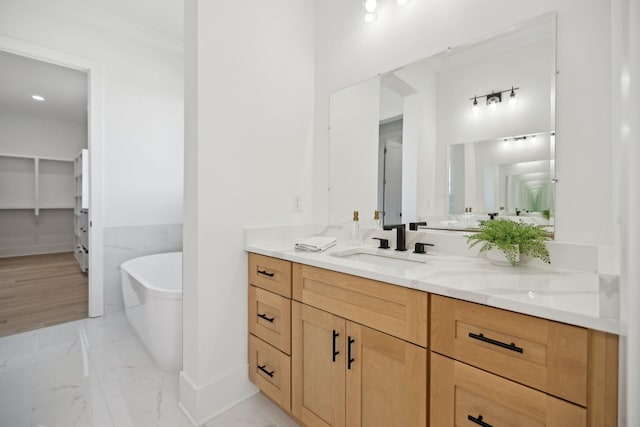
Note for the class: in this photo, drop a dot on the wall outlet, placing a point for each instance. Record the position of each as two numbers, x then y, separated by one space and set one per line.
297 203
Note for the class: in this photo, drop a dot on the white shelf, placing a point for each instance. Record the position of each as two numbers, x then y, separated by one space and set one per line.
29 182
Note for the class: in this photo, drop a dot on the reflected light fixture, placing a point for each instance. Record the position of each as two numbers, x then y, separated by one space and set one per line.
37 98
370 7
475 108
495 98
512 97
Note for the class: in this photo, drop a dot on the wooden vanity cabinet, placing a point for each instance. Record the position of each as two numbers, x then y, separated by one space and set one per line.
270 327
349 374
345 373
515 369
334 349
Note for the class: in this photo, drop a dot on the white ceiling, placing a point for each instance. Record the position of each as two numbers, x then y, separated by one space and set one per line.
165 16
64 89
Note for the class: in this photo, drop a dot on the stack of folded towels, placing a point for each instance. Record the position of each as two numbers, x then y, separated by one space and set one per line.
316 243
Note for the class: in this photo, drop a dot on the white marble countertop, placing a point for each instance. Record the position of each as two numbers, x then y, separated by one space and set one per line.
586 299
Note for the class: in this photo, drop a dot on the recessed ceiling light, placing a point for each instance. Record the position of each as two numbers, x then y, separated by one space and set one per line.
37 97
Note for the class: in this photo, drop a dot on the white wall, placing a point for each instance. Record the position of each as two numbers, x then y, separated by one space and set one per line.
248 138
349 51
625 132
143 100
35 136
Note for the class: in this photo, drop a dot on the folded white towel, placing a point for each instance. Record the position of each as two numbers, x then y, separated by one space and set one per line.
316 243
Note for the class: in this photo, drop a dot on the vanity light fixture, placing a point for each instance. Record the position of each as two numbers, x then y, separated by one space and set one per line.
494 98
512 97
475 108
37 98
370 8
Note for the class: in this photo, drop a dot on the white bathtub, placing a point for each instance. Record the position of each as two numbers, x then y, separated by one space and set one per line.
152 292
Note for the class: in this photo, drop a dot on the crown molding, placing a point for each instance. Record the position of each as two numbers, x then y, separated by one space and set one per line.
109 22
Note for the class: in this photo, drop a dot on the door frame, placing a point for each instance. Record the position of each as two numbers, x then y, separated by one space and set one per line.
95 145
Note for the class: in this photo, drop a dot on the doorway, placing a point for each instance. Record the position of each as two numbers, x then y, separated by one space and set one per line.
92 223
390 172
43 208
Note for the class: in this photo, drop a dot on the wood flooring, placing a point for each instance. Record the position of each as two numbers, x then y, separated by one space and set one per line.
41 290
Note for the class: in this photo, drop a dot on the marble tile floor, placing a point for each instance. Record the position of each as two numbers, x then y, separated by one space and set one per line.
95 372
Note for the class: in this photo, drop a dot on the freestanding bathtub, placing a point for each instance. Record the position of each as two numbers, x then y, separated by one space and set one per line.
152 293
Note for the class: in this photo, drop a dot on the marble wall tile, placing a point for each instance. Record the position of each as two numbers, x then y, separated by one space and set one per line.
124 243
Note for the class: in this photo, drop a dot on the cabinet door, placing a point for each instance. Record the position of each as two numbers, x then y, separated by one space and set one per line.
318 367
386 380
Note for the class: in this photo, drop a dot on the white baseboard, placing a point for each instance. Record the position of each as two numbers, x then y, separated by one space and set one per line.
35 250
203 403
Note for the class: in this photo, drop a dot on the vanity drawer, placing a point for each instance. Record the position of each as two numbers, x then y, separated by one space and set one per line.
270 370
467 396
398 311
270 318
546 355
271 274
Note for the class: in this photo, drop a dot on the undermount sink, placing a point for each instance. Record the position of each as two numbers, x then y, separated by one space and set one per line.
385 257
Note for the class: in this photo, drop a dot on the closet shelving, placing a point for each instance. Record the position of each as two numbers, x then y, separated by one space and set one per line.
81 208
35 183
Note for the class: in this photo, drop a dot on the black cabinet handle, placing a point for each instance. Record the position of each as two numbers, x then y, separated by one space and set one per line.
264 273
350 359
268 319
335 352
478 421
262 368
511 346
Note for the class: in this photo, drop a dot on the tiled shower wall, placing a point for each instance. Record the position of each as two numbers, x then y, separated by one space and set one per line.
125 243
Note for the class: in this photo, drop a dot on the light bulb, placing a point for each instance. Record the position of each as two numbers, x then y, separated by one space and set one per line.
37 97
493 105
475 108
512 97
369 17
370 6
401 2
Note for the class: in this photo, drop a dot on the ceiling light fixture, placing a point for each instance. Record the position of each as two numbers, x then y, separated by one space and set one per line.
495 98
37 97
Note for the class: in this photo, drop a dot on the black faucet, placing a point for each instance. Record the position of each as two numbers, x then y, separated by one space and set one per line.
413 226
401 230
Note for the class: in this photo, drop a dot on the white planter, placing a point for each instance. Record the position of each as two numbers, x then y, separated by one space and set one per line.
497 257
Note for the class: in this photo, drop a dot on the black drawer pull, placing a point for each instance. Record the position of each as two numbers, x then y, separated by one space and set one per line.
264 273
268 319
350 360
335 352
511 346
262 368
478 421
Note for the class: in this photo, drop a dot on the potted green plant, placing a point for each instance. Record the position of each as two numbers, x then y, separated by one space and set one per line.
512 238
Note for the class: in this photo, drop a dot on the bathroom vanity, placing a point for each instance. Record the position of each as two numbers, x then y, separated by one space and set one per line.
456 341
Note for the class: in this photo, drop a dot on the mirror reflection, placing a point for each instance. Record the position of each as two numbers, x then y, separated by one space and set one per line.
452 138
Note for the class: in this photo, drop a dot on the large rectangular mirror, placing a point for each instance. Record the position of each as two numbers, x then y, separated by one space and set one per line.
452 138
